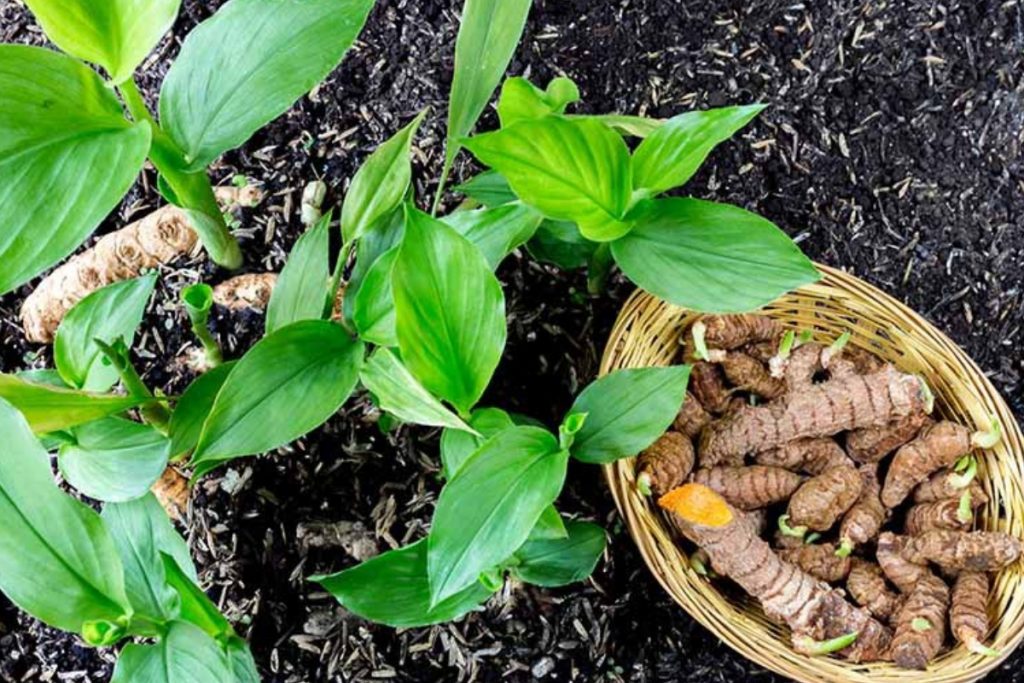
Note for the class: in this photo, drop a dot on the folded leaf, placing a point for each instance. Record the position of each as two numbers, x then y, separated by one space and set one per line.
49 409
64 136
107 314
450 311
192 409
489 507
301 288
247 64
371 246
57 560
489 188
458 445
399 393
184 655
520 99
626 411
560 561
373 313
496 232
710 257
114 459
286 385
570 169
196 608
672 153
549 525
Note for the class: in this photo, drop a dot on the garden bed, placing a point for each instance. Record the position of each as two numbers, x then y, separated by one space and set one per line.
892 149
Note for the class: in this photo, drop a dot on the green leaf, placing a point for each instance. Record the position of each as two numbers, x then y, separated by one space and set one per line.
247 64
496 232
371 246
374 310
557 562
64 136
625 124
243 667
107 314
457 445
489 507
57 560
49 409
549 526
196 608
114 459
286 385
46 376
561 243
399 393
393 589
672 153
626 411
489 188
380 184
569 169
116 34
450 311
710 257
184 655
521 100
194 406
301 288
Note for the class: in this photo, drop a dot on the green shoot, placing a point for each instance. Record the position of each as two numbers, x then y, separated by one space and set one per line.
810 646
153 412
804 337
786 345
812 538
198 299
697 565
964 512
921 625
700 348
570 426
643 483
991 437
978 648
845 548
967 473
787 530
927 396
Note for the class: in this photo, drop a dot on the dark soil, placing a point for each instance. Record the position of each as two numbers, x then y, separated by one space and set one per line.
892 149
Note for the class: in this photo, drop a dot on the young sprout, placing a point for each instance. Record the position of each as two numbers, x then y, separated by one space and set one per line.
698 566
804 337
967 467
795 532
643 483
845 548
700 347
153 412
812 538
991 437
921 625
979 648
835 348
823 647
964 513
777 363
198 299
927 396
570 426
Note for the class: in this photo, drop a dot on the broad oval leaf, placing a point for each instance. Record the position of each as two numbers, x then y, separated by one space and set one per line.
571 169
64 136
401 394
449 311
458 445
489 507
107 314
114 459
555 562
194 407
373 313
49 409
626 411
710 257
673 152
286 385
185 655
380 184
301 288
247 64
496 232
520 99
57 560
393 589
116 34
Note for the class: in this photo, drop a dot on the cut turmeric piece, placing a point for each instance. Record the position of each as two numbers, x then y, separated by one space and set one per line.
866 585
968 617
818 560
941 514
821 501
874 443
708 385
812 456
665 464
980 551
815 613
750 488
921 624
728 332
692 417
820 410
864 520
749 374
903 573
172 491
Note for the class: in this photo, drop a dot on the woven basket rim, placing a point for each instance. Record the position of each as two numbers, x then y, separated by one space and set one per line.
646 333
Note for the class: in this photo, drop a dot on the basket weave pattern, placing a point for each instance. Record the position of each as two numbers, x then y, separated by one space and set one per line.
647 333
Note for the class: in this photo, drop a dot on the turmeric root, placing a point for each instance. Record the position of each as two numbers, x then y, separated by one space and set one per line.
968 617
941 514
980 551
874 443
762 351
866 585
921 624
801 367
820 410
172 491
728 332
692 417
903 573
708 386
749 374
864 361
816 613
821 501
250 290
937 446
749 488
665 464
864 520
812 456
819 560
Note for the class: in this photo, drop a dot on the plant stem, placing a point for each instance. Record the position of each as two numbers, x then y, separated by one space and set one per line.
449 160
339 270
153 412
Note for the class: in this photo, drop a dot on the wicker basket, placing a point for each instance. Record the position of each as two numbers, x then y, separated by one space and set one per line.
647 333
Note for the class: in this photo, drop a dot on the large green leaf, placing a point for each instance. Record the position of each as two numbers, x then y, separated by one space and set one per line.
710 257
49 409
64 136
571 169
520 99
450 311
373 313
194 406
114 459
399 393
107 314
57 560
458 445
116 34
301 288
247 64
673 152
626 411
393 589
380 184
185 655
549 525
559 561
489 507
496 232
289 383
